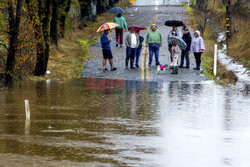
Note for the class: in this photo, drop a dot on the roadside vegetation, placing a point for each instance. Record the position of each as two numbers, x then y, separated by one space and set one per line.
209 18
68 58
48 38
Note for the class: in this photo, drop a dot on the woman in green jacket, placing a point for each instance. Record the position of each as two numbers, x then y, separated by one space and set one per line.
119 19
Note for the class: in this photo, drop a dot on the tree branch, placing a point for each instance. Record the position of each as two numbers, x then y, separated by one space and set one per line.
5 46
7 32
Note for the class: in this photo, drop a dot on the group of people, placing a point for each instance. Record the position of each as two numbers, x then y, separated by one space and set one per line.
134 45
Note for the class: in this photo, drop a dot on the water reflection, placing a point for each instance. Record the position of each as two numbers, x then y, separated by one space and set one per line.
182 124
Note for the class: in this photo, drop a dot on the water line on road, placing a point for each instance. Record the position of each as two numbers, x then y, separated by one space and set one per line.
142 63
145 51
145 58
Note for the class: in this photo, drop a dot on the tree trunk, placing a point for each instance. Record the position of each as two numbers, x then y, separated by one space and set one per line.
111 3
102 6
45 14
40 68
54 22
88 9
64 16
14 26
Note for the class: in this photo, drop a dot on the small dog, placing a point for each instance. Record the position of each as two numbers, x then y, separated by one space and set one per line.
161 68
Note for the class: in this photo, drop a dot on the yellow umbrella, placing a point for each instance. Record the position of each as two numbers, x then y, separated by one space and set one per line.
107 26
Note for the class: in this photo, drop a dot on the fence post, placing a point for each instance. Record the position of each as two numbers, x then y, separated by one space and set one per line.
215 59
27 109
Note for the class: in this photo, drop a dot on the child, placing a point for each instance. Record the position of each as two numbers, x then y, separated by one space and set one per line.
175 53
139 49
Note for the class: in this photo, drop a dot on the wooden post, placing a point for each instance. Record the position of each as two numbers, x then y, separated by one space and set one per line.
228 19
27 127
215 59
27 109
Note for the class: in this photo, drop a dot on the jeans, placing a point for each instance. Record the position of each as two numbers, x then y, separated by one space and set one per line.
185 54
138 53
154 49
130 55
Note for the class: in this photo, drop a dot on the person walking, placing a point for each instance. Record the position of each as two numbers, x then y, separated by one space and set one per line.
132 43
154 42
197 48
185 53
119 19
139 49
175 52
106 50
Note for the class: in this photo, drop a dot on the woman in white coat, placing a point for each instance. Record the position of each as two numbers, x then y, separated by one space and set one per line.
197 47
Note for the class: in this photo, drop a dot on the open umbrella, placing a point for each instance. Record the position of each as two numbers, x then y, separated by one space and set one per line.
117 10
107 26
137 28
172 23
182 44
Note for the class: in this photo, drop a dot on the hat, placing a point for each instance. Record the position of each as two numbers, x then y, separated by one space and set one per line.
186 28
153 25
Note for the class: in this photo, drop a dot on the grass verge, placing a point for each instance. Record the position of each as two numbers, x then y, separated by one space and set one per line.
223 77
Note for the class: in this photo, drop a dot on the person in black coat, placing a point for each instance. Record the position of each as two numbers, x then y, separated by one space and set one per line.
185 53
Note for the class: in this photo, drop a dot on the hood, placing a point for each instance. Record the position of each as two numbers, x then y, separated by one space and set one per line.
198 32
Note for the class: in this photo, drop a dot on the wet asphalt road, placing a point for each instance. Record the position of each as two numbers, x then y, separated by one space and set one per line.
144 16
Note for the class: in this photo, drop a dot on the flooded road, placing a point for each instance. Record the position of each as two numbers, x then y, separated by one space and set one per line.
176 124
166 121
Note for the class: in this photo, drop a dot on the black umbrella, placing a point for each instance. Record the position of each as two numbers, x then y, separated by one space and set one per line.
117 10
172 23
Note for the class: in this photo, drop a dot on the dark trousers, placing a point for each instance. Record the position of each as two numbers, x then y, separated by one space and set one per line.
119 35
185 54
130 55
171 58
198 59
138 53
169 49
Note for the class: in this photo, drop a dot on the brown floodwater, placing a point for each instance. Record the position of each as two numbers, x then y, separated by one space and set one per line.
153 124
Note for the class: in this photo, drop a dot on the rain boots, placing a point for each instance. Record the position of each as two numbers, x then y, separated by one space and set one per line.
175 70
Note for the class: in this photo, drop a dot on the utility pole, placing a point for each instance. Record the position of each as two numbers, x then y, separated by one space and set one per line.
228 19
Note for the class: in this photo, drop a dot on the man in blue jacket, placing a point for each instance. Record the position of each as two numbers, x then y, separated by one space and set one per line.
185 53
106 50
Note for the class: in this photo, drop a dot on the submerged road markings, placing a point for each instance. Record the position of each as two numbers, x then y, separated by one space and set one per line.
147 51
142 63
145 57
